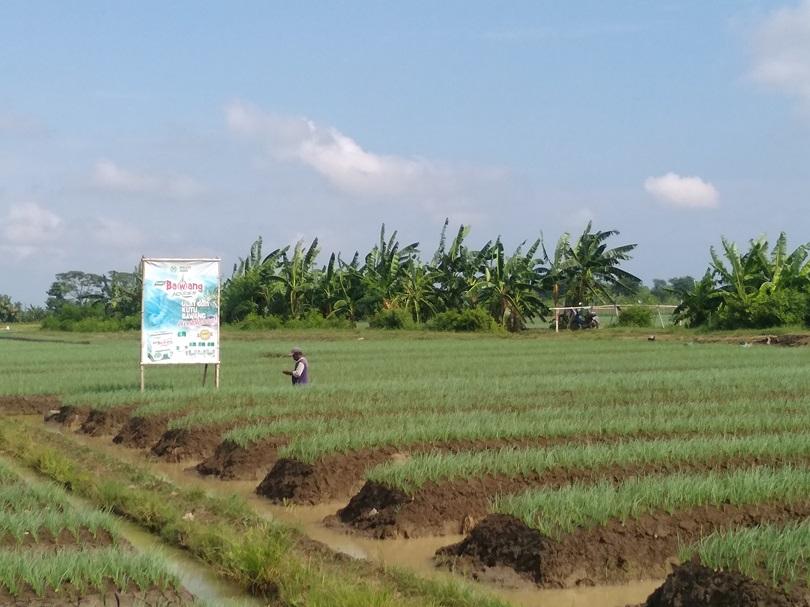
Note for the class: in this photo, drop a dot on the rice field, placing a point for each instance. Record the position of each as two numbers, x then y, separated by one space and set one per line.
548 447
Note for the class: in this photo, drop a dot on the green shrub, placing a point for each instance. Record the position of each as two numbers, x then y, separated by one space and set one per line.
254 322
315 320
393 318
473 319
635 316
92 324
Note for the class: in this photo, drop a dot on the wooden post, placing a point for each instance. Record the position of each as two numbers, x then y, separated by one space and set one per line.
556 320
205 373
142 379
216 376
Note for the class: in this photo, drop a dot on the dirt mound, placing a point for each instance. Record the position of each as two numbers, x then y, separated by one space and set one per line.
179 444
693 585
234 462
375 509
69 416
502 541
32 404
616 551
333 477
142 432
101 422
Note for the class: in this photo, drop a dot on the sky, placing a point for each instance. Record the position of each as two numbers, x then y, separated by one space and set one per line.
183 129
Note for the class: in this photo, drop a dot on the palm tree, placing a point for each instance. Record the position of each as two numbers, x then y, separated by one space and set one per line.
510 288
589 270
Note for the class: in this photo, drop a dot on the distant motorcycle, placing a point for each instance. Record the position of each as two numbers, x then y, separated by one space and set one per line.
581 319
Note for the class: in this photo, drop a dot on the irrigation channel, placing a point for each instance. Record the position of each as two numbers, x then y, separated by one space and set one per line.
415 554
198 579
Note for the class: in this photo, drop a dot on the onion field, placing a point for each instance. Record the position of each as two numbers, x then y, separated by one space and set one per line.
564 460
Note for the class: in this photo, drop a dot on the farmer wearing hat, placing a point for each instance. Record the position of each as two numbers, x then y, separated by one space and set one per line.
300 373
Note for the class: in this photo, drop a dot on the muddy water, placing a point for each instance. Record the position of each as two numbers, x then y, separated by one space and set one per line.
198 579
414 554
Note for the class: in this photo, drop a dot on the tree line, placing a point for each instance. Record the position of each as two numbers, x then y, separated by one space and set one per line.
454 287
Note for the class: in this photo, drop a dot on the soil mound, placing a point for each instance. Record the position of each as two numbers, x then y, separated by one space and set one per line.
374 509
179 444
231 461
289 479
35 404
501 541
333 477
693 585
102 422
141 432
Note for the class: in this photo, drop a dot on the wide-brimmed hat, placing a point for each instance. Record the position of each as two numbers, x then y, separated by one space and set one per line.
296 350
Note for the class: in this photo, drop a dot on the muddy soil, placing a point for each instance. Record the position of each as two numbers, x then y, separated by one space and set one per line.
142 432
104 422
69 596
693 585
788 340
69 416
32 404
234 462
616 551
453 507
180 444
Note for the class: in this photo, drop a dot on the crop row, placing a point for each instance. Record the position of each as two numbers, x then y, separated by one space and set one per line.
438 467
84 570
19 524
556 512
209 416
780 554
527 425
465 388
18 497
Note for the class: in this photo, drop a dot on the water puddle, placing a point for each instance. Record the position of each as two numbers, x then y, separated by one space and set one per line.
197 578
413 554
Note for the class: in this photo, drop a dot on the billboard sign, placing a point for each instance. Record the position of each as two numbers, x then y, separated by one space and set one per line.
180 315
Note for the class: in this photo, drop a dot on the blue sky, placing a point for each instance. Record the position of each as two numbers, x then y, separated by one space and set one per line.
183 128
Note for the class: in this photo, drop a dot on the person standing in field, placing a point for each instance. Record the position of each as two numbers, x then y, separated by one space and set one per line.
300 372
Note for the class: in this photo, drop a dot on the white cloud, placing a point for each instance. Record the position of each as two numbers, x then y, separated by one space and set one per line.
109 176
27 228
689 192
338 157
781 47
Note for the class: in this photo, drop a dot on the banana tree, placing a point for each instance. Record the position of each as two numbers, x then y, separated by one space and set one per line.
510 287
296 277
382 270
452 270
416 293
589 270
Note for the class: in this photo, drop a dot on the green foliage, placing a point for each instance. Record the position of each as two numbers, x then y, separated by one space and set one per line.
755 289
254 322
554 512
392 318
635 316
772 553
469 320
9 310
586 271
